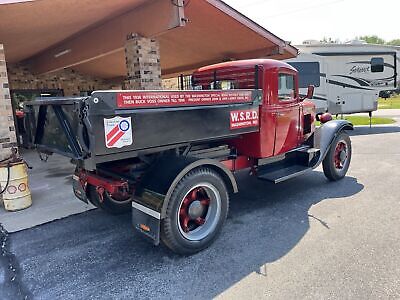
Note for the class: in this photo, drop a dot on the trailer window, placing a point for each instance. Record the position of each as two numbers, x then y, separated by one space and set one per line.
309 73
286 87
377 64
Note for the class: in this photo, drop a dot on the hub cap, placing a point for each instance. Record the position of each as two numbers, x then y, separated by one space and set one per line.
199 212
197 208
340 157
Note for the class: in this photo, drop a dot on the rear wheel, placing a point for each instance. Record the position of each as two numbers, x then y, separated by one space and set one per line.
113 204
337 161
196 212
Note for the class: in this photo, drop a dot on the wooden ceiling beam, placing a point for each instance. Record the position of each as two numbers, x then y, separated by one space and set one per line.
110 37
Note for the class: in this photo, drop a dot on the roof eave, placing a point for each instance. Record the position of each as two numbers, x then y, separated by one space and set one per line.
229 10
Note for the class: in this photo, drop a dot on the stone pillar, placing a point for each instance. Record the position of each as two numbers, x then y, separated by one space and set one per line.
142 63
7 129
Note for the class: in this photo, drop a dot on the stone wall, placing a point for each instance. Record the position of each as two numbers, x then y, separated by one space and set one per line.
170 84
68 80
143 73
7 129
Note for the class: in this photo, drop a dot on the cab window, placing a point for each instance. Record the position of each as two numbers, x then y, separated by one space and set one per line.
286 87
223 85
217 85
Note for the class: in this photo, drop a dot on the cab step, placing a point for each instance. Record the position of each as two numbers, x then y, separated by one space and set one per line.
283 174
307 150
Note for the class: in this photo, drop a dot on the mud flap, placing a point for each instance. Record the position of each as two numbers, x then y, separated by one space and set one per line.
79 191
146 221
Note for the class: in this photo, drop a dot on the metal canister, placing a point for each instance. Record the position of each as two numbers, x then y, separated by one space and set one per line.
14 184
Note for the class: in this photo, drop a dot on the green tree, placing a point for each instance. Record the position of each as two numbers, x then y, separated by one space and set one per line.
395 42
372 39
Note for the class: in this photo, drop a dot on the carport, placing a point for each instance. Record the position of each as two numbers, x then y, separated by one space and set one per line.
65 48
70 48
90 36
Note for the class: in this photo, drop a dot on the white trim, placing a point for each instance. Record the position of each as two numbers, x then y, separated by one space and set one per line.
13 1
146 210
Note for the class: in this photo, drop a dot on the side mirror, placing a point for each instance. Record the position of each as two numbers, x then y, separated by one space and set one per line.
310 93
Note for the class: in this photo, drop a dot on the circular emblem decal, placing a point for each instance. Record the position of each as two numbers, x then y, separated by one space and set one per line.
12 189
22 187
124 125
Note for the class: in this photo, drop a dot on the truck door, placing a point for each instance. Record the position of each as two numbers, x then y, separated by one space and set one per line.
287 114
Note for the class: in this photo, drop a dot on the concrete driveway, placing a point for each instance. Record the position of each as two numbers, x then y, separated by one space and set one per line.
52 196
305 238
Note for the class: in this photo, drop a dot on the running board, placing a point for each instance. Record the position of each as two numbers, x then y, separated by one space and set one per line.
283 174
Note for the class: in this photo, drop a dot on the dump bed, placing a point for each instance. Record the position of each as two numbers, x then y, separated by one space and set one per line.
112 125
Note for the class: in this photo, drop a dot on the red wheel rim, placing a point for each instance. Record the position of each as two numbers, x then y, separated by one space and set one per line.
194 209
199 212
340 156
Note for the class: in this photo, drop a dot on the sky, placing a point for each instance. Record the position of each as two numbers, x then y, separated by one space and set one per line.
299 20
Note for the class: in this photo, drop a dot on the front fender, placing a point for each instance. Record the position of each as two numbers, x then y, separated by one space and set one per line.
325 135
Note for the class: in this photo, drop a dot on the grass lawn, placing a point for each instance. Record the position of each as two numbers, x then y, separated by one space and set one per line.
389 103
364 120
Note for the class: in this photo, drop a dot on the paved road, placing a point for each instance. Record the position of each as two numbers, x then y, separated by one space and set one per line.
391 113
387 112
306 238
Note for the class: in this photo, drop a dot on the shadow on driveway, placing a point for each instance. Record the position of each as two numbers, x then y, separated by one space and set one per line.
94 255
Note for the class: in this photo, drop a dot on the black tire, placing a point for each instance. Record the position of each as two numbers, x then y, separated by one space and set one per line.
202 184
336 163
92 199
108 204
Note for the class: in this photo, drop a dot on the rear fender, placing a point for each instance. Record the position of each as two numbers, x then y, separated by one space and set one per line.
152 196
325 135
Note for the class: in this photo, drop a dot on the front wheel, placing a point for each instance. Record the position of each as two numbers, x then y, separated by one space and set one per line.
196 212
337 160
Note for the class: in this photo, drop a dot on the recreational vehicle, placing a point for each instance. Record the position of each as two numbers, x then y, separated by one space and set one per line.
347 77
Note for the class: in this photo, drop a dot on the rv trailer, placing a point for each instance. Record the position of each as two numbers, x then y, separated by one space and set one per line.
348 78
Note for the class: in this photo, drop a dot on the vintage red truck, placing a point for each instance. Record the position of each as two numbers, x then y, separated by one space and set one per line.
171 156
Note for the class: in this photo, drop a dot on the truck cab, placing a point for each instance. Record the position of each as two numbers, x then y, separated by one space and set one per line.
285 119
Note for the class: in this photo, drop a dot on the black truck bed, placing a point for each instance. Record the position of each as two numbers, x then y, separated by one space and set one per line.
113 125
